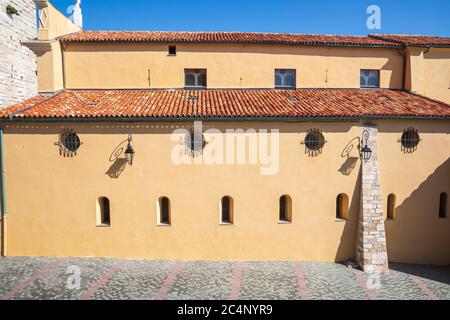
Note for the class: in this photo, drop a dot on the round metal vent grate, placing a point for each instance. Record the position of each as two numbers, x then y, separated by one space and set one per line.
195 141
314 140
410 139
70 142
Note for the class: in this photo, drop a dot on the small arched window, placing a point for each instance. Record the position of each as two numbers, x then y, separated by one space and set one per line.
285 210
103 212
391 207
164 211
443 201
342 207
226 210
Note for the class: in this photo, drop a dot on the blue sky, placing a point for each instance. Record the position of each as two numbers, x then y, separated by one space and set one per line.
294 16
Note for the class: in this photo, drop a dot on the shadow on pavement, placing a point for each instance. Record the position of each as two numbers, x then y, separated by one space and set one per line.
435 273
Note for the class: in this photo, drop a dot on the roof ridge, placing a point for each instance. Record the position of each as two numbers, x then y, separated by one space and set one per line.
405 35
246 37
219 31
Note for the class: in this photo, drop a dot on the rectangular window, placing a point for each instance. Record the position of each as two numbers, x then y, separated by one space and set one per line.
370 79
285 78
172 50
195 78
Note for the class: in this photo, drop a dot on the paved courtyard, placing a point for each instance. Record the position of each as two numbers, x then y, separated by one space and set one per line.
89 278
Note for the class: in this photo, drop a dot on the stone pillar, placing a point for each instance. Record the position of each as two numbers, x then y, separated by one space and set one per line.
371 252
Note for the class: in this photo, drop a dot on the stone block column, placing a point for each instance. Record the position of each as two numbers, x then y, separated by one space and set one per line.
371 252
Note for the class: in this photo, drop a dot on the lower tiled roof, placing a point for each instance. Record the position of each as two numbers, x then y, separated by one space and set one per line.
258 103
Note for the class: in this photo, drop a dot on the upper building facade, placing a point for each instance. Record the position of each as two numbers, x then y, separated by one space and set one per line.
73 59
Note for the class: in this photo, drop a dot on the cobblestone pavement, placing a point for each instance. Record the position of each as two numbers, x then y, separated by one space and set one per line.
99 279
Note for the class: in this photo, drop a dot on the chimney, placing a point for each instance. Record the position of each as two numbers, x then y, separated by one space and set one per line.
78 15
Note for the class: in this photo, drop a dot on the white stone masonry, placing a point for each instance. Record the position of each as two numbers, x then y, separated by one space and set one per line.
18 78
371 251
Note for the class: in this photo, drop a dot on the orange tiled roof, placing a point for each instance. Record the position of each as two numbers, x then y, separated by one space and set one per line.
261 103
412 40
224 37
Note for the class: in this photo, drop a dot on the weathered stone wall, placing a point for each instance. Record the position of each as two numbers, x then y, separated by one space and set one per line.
18 79
371 252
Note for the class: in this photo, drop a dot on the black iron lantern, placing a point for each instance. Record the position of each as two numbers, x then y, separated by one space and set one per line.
366 152
129 152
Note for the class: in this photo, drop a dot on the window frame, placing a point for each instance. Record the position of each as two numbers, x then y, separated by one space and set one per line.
342 207
169 53
285 86
196 76
103 212
369 86
287 210
160 212
391 206
230 211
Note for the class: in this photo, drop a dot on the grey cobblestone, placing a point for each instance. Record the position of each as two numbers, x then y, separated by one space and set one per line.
136 280
16 270
203 281
330 281
269 281
53 285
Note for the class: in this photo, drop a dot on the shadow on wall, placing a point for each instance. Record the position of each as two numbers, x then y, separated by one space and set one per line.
118 163
117 168
350 153
418 235
347 245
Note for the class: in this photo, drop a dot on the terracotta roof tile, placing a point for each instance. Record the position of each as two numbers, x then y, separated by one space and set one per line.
224 37
413 40
175 104
24 105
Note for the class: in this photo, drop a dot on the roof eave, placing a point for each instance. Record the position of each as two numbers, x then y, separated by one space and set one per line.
307 44
220 119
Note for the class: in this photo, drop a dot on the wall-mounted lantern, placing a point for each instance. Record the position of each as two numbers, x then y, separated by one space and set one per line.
365 151
129 152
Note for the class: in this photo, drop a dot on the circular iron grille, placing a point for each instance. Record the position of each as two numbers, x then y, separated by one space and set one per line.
410 138
314 140
71 142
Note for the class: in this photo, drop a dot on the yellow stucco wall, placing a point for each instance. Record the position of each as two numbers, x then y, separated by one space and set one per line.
417 179
124 65
50 72
429 72
52 199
